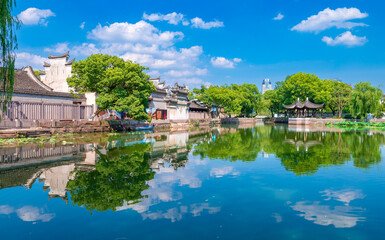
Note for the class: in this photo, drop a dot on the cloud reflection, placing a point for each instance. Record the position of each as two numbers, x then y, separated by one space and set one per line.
345 195
176 213
339 216
220 172
28 213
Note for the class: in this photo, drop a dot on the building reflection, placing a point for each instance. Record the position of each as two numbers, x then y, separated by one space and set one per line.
68 169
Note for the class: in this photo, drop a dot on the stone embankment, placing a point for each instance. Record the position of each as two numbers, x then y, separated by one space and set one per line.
47 128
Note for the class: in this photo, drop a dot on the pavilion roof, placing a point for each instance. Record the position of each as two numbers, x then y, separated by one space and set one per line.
301 105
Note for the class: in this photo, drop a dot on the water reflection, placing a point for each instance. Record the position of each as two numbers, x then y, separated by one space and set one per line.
339 216
300 152
154 174
28 213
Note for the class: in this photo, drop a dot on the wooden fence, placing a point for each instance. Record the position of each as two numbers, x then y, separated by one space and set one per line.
46 111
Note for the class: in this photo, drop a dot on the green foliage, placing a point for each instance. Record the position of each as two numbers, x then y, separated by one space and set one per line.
37 73
235 99
120 177
272 101
302 86
348 125
8 44
120 85
365 99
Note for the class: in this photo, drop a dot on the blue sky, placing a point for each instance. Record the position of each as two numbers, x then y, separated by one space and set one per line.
214 42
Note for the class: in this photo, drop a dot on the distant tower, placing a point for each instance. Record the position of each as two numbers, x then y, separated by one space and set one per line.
266 85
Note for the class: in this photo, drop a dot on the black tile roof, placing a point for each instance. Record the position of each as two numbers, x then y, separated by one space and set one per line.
27 83
300 105
59 56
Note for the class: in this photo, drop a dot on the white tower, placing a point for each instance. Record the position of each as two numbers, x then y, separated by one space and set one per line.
266 85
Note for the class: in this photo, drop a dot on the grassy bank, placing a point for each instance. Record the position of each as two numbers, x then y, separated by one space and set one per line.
358 125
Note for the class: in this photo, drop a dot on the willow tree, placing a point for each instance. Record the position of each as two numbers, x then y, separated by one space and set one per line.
365 99
8 27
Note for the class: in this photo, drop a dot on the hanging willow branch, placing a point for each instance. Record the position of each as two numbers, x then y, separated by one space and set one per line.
8 44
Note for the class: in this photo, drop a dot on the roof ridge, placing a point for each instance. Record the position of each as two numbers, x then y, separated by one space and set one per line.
59 56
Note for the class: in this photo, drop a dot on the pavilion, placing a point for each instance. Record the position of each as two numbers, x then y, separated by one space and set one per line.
302 109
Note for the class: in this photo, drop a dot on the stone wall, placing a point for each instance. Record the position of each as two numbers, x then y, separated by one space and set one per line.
240 120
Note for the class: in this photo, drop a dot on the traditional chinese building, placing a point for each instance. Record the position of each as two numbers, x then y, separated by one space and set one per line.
303 109
170 104
198 111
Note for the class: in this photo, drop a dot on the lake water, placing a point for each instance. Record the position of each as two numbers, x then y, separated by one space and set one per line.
261 182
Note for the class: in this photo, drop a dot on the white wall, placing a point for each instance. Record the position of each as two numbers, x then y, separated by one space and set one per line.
56 75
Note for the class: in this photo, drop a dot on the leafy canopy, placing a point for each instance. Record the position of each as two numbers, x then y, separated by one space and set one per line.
235 99
120 85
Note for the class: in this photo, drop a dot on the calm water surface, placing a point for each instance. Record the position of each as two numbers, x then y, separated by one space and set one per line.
262 182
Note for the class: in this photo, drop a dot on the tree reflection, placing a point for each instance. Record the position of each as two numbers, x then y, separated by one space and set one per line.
233 146
303 153
119 176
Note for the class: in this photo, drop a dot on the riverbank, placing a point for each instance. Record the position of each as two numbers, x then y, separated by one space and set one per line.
50 128
316 121
348 125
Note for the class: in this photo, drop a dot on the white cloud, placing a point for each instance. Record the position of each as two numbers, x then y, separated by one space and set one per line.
58 48
339 216
199 23
172 18
141 31
277 217
26 59
5 209
186 73
328 18
157 58
35 16
145 44
346 38
28 213
85 49
176 18
345 196
279 17
220 172
33 214
177 213
222 62
82 25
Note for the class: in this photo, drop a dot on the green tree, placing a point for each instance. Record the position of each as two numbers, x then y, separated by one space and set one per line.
323 95
235 99
300 85
8 44
120 85
272 101
340 96
365 99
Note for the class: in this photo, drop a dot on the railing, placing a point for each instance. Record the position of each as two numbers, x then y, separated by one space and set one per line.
46 111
